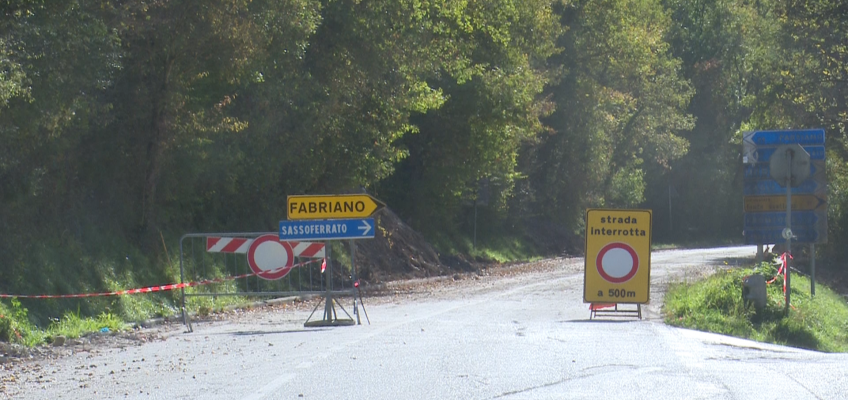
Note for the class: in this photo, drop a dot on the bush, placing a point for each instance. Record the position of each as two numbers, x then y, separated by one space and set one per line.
6 331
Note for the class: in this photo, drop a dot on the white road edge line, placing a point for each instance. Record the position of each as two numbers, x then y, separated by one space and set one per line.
266 390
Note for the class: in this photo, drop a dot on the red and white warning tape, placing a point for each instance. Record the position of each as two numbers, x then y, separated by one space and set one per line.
782 270
149 289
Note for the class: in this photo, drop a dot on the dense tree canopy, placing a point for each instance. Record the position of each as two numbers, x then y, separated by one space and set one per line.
620 109
125 122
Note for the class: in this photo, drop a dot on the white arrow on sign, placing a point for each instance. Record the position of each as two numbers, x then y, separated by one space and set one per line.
749 148
365 229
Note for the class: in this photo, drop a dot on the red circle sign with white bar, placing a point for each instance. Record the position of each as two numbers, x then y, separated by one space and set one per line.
270 258
617 262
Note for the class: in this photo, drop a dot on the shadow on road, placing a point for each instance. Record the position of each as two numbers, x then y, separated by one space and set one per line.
607 321
261 333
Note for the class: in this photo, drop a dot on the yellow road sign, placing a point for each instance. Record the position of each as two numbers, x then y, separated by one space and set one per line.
800 202
337 206
618 256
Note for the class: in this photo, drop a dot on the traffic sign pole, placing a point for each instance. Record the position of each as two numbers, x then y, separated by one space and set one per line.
354 278
790 174
331 317
331 217
329 310
813 269
788 256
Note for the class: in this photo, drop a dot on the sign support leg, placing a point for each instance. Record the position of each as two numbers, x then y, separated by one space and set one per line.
474 245
353 278
331 317
313 312
362 302
186 317
328 297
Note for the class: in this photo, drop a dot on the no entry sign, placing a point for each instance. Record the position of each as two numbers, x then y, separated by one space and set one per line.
617 262
618 256
269 257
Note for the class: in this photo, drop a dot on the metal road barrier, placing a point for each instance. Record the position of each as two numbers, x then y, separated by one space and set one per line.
258 264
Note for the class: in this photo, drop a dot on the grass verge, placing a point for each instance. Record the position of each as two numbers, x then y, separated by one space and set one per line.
17 327
715 304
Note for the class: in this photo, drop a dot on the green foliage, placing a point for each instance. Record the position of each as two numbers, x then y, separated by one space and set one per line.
125 124
495 241
72 325
627 188
204 305
695 197
504 250
7 333
492 106
15 325
715 305
620 109
837 172
797 62
12 76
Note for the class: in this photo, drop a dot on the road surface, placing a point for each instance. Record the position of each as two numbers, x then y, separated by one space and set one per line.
523 335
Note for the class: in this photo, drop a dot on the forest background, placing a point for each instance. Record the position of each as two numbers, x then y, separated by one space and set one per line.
125 124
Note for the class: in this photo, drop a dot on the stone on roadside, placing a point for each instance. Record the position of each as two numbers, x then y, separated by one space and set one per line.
59 341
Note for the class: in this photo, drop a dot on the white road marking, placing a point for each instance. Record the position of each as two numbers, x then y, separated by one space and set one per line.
266 390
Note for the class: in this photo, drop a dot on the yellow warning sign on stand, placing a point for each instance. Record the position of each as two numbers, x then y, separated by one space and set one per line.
618 256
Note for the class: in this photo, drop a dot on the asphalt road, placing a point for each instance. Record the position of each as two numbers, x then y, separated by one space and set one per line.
519 336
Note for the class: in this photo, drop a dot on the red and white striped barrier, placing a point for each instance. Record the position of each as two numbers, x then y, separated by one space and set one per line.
227 245
242 245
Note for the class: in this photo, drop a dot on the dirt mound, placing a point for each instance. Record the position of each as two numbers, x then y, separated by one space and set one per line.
399 252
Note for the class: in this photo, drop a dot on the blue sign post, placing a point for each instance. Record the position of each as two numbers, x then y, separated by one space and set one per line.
327 229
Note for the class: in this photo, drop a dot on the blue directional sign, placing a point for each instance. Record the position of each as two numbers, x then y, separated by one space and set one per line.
764 225
803 137
761 171
327 229
816 153
775 235
778 219
765 188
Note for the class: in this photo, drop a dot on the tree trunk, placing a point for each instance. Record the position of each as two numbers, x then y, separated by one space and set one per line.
621 149
161 131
